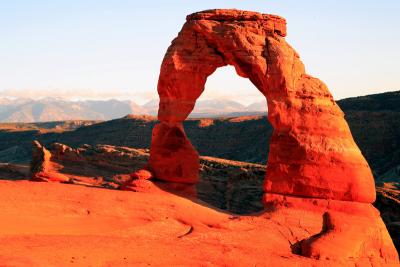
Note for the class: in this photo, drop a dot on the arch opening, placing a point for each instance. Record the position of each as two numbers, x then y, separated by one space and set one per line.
226 129
230 124
226 94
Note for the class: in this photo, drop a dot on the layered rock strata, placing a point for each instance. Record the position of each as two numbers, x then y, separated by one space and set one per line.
312 152
314 165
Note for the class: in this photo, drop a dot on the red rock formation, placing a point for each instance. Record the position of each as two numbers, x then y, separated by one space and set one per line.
42 168
101 165
312 152
314 164
141 174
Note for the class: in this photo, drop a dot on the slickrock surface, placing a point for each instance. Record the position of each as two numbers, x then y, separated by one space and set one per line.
53 224
312 152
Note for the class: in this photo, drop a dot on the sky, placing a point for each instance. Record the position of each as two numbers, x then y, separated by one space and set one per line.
100 49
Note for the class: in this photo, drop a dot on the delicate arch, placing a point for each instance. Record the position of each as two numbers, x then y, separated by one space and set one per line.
312 152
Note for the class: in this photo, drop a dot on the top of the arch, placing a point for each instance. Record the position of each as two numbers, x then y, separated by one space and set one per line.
274 23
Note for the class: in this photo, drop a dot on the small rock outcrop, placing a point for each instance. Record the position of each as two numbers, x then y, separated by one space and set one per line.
42 168
40 158
101 165
314 166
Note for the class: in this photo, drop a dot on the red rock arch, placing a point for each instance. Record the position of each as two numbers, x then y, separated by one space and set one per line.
312 152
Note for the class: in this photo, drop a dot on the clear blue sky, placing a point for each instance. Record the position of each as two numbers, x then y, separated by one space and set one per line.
103 48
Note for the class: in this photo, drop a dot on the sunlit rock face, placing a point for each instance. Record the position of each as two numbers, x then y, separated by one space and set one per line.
314 167
312 152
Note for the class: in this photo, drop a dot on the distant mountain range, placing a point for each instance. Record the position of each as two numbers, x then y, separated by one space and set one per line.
57 109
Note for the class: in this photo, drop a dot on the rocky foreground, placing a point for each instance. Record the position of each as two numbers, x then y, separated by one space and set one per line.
62 214
52 224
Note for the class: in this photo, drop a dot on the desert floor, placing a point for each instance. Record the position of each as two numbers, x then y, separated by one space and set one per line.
51 224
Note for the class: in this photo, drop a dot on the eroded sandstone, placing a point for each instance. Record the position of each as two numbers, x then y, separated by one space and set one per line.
312 152
314 165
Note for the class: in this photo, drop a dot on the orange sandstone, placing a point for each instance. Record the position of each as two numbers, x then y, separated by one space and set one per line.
42 168
314 165
312 151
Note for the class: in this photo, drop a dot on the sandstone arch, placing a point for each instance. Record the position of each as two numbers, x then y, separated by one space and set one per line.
312 152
